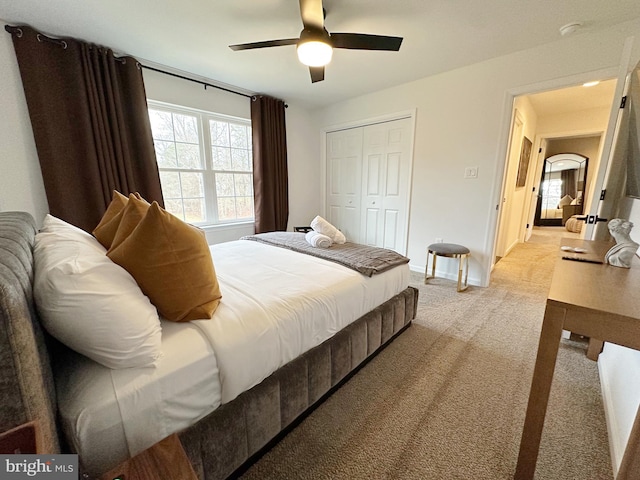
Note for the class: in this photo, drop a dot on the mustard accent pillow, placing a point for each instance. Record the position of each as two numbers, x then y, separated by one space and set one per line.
172 264
129 218
106 228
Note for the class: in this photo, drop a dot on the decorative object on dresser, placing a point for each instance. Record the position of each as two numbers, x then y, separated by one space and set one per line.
622 253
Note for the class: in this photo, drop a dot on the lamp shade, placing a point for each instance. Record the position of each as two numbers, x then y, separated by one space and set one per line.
314 53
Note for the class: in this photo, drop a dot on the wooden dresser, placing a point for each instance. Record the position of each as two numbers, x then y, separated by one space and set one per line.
599 301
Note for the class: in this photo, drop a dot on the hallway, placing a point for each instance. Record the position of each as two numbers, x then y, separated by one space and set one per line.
550 235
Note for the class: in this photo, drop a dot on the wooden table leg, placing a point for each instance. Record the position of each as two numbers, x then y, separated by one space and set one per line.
594 349
539 394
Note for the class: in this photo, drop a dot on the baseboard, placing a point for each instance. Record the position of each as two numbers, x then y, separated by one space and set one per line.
615 446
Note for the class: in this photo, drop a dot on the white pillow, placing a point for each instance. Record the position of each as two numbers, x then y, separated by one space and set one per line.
91 304
566 200
62 229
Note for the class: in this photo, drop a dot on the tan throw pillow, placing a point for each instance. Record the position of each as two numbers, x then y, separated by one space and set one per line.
106 229
171 262
129 218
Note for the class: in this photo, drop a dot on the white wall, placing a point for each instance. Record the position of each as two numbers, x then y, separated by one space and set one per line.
21 186
463 119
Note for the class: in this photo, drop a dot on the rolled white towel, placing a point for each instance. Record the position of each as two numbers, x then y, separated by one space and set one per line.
319 240
339 237
320 225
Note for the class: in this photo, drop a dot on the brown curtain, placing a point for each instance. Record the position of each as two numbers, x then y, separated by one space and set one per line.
270 177
90 122
568 178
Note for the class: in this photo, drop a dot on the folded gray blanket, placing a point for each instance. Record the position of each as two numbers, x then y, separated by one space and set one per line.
361 258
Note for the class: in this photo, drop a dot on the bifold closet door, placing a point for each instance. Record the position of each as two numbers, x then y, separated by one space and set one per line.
368 183
386 170
344 181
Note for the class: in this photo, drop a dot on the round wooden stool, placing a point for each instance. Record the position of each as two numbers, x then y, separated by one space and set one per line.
450 250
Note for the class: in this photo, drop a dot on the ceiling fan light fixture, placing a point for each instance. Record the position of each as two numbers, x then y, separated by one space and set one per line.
314 47
314 53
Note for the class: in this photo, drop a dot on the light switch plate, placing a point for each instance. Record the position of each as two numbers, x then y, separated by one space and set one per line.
471 172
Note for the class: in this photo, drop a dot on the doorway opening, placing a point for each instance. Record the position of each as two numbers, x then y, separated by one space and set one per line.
569 121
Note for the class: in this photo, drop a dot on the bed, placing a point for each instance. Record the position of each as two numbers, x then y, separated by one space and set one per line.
226 412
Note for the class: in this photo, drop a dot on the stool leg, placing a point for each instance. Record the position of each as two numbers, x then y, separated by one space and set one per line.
465 259
426 268
433 266
466 275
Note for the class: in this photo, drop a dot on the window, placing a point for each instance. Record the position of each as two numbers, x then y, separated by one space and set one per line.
551 192
205 163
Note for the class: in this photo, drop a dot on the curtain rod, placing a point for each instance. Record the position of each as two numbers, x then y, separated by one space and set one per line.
18 31
194 80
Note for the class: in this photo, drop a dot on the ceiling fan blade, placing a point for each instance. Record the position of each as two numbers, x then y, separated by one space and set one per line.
317 74
267 43
312 14
363 41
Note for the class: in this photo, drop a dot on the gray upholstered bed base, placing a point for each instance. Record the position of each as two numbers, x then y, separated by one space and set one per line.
221 443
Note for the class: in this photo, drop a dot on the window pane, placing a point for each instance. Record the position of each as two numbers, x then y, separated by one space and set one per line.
240 160
185 162
227 208
185 128
165 153
238 135
161 125
194 210
192 185
224 185
174 207
188 156
243 184
219 133
170 182
244 207
221 158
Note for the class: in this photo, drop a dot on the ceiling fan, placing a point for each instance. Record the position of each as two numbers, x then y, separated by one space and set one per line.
315 45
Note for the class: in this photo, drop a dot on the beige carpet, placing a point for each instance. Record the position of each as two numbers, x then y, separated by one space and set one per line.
446 400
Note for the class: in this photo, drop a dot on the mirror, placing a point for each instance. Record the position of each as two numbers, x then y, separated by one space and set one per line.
562 189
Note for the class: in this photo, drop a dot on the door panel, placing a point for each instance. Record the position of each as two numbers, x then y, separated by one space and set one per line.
344 165
394 171
391 224
387 147
369 172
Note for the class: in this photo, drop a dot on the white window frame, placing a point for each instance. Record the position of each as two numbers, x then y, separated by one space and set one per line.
208 173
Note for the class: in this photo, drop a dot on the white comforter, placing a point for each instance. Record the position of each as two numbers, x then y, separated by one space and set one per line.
276 304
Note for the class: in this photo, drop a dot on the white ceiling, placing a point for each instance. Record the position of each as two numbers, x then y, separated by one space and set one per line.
572 99
193 36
